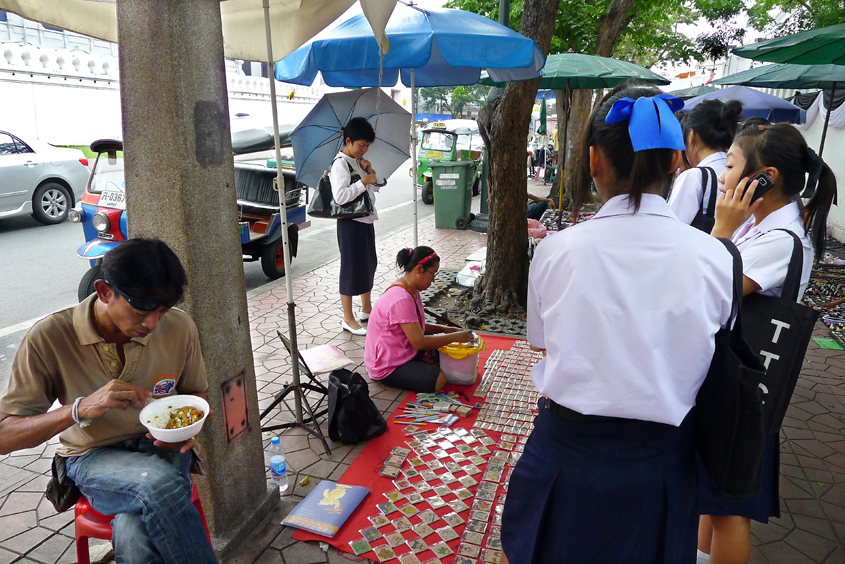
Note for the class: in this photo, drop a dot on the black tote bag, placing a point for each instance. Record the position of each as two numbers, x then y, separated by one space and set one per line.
729 431
323 204
779 330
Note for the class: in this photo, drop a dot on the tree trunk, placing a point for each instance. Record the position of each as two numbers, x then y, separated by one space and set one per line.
504 285
607 33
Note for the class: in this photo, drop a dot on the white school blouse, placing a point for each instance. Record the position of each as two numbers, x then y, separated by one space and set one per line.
766 252
627 306
687 191
344 191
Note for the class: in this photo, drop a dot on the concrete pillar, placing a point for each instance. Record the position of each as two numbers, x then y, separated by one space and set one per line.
180 188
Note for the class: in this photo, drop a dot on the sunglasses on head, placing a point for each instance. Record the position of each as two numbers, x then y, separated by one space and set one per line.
141 304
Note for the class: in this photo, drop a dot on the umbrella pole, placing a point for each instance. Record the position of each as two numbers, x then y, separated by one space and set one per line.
414 151
295 387
827 117
562 154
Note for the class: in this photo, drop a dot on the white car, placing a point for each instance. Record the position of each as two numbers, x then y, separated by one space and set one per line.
39 179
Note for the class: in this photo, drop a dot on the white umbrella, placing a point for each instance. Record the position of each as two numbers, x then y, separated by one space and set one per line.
292 22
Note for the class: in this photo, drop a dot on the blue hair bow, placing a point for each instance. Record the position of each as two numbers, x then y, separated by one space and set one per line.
651 121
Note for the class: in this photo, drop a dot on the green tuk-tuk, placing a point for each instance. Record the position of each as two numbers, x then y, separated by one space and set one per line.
446 141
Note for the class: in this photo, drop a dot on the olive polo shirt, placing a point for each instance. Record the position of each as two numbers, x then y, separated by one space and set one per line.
62 358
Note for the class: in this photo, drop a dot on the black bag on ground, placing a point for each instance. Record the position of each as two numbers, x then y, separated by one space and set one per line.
729 432
351 411
705 219
779 330
61 490
323 204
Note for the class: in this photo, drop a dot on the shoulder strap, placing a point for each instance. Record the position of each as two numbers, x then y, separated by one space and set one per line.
792 282
737 292
706 172
400 285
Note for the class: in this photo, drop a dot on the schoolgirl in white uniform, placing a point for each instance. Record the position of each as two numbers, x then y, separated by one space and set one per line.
608 474
780 152
709 129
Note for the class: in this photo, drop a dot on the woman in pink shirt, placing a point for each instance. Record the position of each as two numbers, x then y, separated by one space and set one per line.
397 332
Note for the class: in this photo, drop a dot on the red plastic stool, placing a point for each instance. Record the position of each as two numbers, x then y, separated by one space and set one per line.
91 524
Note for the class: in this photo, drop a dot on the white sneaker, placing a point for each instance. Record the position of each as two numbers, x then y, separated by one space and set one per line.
359 331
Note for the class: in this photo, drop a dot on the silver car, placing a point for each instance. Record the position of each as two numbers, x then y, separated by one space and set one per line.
39 179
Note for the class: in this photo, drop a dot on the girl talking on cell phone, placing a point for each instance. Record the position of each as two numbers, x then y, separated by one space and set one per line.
769 170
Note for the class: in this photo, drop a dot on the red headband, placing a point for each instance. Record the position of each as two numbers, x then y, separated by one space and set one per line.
428 258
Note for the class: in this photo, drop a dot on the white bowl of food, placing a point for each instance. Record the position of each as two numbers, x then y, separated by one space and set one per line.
174 419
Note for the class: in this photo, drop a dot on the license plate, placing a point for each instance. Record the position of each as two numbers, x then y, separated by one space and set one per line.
113 199
435 155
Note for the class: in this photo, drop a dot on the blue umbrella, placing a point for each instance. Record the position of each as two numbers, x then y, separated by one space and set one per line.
754 103
443 47
318 138
428 47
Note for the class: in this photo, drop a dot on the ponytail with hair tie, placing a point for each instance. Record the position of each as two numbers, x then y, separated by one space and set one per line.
814 168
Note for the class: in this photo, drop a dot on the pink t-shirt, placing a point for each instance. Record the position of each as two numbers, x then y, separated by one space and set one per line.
387 346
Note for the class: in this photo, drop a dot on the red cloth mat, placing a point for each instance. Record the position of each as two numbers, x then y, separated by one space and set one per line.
364 470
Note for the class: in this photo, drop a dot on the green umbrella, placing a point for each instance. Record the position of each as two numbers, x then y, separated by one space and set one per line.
824 76
542 129
821 46
576 71
687 93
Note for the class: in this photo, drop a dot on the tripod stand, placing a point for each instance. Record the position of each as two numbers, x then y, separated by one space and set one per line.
310 424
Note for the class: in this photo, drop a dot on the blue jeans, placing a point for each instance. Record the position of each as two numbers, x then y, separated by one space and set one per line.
148 490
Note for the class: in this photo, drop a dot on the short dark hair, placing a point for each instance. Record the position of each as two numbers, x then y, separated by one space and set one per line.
714 121
357 129
782 147
146 268
408 259
643 169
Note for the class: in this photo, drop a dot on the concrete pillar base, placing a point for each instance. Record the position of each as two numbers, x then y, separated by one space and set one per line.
224 546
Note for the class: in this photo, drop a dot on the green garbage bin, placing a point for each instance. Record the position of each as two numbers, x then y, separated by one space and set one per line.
452 193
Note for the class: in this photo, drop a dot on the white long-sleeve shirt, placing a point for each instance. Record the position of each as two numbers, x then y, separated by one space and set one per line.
344 191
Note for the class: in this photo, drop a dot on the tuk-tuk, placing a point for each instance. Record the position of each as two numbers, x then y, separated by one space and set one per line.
446 141
102 213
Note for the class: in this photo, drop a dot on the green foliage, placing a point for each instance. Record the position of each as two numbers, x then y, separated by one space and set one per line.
716 45
454 98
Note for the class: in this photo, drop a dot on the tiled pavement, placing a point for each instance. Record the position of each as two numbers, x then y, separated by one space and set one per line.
811 528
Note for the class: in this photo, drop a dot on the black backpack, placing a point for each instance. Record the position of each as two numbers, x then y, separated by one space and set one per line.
351 411
704 220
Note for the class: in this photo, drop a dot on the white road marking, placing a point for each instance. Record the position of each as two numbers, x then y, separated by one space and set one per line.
22 326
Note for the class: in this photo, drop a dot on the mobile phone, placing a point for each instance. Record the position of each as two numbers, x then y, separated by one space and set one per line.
764 184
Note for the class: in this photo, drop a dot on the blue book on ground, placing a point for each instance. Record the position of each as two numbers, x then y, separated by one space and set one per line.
326 508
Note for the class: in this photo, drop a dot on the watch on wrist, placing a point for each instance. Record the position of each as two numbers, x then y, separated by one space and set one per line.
75 414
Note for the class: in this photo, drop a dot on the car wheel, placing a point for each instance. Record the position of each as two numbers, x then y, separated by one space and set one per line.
476 186
51 203
86 285
273 259
428 193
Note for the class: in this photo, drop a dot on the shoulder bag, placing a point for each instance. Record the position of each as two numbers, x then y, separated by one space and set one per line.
323 204
729 432
704 220
779 330
351 411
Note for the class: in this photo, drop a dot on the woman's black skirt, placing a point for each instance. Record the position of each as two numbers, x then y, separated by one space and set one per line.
357 244
603 490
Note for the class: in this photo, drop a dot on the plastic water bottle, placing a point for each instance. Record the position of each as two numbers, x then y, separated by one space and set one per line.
278 468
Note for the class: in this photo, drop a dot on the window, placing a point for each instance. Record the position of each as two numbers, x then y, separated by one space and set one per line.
7 145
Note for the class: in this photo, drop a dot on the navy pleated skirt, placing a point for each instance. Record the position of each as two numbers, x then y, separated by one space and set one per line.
604 491
760 507
358 261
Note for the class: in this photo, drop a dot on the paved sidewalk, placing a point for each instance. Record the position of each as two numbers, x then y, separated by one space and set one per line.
811 528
